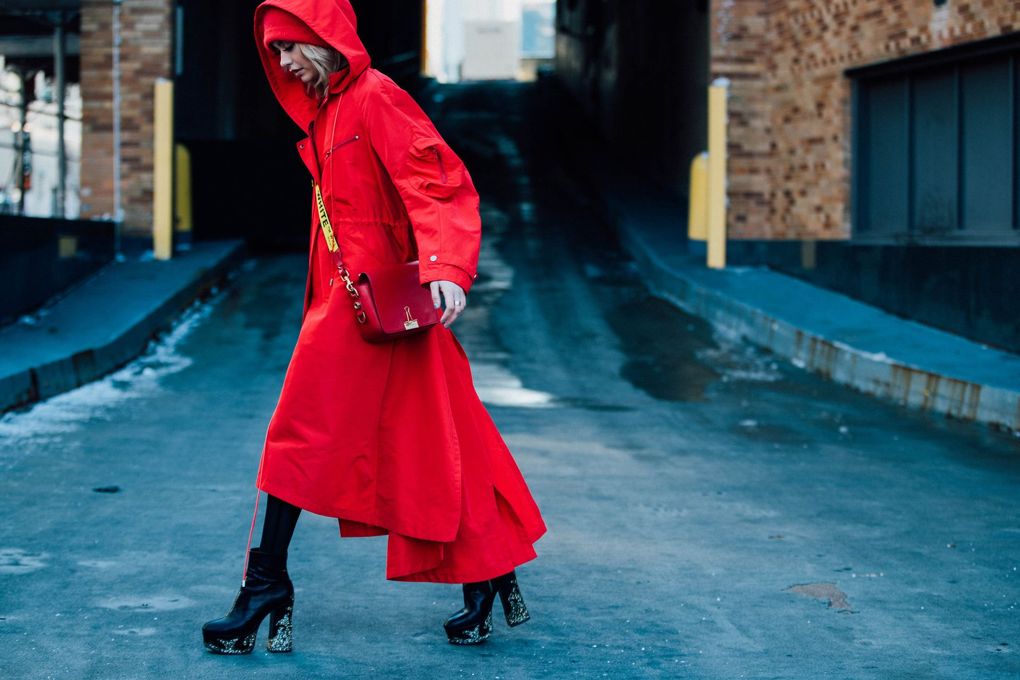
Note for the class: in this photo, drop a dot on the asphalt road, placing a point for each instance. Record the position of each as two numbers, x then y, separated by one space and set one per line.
712 513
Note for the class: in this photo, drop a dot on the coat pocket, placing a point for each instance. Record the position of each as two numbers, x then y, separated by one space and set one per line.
339 145
340 164
434 169
343 143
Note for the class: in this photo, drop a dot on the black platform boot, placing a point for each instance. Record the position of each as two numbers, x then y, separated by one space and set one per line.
267 590
473 624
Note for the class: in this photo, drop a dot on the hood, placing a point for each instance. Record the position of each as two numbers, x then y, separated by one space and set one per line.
333 21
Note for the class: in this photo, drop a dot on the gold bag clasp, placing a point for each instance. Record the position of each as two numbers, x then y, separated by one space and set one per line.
410 322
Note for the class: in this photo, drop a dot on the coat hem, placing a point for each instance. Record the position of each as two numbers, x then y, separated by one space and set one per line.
448 576
345 515
424 574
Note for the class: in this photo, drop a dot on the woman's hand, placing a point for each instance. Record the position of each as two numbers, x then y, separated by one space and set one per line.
456 299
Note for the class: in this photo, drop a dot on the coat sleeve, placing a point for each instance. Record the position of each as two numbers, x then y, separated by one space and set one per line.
433 183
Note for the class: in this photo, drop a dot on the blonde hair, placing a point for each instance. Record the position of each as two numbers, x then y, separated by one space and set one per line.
324 60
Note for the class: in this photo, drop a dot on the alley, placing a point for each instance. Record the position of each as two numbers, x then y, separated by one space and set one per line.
712 512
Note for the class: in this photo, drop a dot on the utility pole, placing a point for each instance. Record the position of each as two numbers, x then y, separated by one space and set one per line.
23 164
59 76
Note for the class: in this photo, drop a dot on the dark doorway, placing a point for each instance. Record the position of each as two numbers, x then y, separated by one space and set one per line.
640 71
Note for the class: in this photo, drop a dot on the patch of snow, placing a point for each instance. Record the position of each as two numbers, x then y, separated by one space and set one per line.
62 414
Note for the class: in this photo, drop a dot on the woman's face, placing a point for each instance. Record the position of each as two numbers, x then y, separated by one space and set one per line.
295 63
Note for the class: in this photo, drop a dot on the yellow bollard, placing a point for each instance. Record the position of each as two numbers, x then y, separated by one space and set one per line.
697 213
67 246
163 170
717 173
182 193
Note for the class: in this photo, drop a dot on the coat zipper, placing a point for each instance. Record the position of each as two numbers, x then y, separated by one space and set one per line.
343 143
442 168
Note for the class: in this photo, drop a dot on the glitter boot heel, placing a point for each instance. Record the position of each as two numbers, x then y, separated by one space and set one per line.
267 591
281 630
514 609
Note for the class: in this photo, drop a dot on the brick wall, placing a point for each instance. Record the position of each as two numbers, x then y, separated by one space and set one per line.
789 147
146 40
739 39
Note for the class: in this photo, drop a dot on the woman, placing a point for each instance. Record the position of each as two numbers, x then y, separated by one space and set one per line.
388 438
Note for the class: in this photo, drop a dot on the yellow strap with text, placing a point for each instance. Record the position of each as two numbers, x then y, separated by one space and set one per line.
327 228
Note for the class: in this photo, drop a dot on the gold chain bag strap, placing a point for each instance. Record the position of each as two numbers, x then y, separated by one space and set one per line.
389 302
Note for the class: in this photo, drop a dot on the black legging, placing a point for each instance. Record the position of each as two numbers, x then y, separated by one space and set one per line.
278 526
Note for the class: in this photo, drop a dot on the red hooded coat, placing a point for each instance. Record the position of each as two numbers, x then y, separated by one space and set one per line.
389 438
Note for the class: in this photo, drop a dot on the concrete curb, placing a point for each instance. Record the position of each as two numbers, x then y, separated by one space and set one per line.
874 374
70 372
